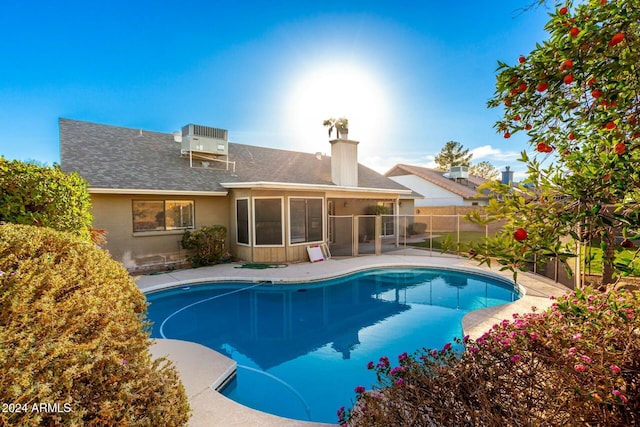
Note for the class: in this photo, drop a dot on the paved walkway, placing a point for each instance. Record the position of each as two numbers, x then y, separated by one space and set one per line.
202 370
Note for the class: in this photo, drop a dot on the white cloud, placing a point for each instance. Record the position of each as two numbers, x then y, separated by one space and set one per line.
491 154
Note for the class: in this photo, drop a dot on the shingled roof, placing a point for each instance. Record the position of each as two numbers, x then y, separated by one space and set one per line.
111 157
466 188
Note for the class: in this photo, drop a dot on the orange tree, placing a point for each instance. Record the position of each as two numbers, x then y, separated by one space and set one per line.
577 97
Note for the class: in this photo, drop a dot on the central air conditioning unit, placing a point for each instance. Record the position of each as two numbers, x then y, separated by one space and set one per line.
457 172
204 139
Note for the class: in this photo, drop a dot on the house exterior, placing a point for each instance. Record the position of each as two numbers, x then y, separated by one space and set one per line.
148 187
439 188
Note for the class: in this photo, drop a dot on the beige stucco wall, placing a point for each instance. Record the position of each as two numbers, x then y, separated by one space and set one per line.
139 250
113 213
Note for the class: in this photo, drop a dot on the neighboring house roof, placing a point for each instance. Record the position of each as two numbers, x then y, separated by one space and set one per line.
465 188
111 157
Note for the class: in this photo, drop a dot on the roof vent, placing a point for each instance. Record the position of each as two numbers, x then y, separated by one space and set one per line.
457 172
204 139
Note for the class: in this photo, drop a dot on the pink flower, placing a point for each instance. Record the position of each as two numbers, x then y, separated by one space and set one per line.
384 362
360 389
465 338
397 370
615 368
533 336
576 337
446 347
399 382
586 358
340 411
579 367
619 395
402 357
515 358
370 365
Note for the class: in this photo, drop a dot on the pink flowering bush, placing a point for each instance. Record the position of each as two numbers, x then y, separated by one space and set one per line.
577 363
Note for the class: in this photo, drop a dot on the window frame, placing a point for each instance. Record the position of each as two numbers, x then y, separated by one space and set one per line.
165 229
249 216
322 221
254 225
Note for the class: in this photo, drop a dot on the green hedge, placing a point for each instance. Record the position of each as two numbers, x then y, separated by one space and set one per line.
44 196
73 336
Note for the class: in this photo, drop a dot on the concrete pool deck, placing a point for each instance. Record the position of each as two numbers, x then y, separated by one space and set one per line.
202 370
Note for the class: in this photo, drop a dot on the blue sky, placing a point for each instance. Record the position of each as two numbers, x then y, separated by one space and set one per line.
409 75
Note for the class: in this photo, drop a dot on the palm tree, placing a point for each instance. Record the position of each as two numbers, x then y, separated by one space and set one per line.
341 125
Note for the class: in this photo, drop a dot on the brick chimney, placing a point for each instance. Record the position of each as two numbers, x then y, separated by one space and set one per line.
344 162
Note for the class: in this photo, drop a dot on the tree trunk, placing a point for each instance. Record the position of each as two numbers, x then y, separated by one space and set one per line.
608 255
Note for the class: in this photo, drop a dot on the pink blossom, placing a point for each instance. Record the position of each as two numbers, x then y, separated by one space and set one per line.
397 370
370 365
515 358
384 362
576 337
360 389
399 382
533 336
465 338
619 395
446 347
403 356
615 368
579 367
586 358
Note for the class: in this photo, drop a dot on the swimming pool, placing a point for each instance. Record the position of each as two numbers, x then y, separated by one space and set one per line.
301 349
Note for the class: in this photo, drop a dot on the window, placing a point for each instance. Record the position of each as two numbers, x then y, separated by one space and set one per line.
305 218
242 220
162 215
268 221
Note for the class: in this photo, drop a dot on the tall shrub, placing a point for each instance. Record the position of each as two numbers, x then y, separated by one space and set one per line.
73 336
207 245
44 196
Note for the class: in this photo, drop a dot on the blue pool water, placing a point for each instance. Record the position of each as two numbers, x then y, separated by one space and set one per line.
302 349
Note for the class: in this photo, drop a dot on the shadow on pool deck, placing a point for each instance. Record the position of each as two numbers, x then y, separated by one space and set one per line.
202 369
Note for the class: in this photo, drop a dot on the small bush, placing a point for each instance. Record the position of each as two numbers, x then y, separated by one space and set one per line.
73 336
578 363
207 244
